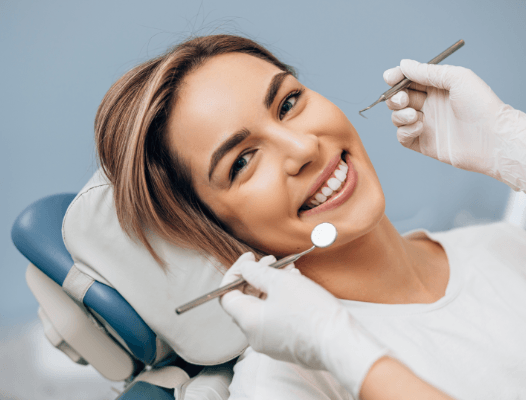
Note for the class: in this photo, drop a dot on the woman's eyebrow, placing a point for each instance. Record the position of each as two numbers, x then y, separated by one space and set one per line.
273 88
225 147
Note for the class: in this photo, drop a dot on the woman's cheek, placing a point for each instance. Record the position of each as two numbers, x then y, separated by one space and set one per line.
260 216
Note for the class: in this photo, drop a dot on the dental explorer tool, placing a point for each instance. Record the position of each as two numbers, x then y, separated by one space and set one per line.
323 235
404 83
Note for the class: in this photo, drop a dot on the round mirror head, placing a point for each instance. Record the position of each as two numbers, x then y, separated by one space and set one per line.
323 235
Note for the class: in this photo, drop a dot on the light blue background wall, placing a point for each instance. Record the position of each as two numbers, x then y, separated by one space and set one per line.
58 58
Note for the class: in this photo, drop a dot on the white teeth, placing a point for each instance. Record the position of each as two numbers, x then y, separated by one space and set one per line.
320 197
327 191
334 184
340 175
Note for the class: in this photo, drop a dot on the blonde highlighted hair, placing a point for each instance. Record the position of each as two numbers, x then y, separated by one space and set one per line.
153 190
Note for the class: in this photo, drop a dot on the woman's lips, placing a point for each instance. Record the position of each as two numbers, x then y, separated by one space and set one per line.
344 193
326 173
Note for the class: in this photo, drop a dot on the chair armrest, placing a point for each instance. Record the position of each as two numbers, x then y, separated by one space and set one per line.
72 326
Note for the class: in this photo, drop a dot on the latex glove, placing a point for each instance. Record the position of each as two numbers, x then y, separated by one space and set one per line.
294 319
452 115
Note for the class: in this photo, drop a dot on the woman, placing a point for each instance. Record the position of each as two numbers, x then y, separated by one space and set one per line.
217 146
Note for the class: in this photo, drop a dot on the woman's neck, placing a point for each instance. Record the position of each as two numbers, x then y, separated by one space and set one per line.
381 267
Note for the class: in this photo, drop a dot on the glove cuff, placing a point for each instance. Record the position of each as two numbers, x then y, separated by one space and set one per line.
350 352
511 155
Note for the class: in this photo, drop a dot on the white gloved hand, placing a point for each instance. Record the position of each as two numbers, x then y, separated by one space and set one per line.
294 319
452 115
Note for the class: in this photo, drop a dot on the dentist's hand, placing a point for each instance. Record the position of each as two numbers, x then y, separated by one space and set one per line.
293 319
452 115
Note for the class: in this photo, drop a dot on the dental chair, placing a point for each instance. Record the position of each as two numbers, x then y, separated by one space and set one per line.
104 301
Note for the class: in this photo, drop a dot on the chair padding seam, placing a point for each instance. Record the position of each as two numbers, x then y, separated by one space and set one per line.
70 207
77 284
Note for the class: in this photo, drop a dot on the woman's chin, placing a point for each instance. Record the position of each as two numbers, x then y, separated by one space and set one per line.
364 211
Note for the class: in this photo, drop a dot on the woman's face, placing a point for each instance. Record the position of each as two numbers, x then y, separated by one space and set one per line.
261 146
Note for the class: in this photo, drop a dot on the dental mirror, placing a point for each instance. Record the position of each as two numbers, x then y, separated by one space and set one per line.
323 235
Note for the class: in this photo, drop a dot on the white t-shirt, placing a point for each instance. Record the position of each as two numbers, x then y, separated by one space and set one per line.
471 344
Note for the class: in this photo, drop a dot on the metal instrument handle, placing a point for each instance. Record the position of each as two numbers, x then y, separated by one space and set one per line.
404 83
236 284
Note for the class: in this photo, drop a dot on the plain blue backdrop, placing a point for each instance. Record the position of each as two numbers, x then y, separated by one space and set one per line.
60 57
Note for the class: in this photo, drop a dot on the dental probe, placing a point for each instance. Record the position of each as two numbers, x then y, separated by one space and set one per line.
404 83
323 235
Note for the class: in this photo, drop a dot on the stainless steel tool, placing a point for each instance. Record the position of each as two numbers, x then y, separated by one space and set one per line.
404 83
323 235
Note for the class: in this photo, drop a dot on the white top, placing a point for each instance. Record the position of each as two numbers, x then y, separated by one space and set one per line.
471 344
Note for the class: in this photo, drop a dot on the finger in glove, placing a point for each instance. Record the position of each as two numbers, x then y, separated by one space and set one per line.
234 273
250 289
398 101
407 116
407 98
408 135
393 75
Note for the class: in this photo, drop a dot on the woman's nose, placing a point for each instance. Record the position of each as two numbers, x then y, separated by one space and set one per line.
299 149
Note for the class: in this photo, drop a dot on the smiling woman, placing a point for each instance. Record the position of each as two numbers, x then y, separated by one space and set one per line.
217 146
262 147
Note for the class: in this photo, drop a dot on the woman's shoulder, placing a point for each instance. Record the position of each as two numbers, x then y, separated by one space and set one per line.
498 243
484 243
483 235
257 376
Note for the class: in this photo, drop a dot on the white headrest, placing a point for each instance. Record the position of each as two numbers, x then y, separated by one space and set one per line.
99 247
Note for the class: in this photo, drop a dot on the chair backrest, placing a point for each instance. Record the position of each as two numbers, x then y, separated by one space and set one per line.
99 248
82 230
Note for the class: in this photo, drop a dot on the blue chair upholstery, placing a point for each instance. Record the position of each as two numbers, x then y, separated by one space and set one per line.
146 391
37 234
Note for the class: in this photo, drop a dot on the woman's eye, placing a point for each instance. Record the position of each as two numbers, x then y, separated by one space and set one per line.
289 103
239 164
